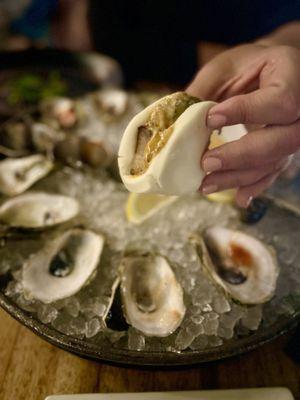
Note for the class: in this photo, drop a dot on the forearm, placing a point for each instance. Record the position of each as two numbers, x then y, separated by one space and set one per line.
288 35
70 27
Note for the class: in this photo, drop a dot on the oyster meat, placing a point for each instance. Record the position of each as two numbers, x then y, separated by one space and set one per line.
63 267
151 295
18 174
38 210
243 266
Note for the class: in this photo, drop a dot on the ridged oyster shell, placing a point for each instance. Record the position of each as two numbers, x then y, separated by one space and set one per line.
242 265
151 295
63 267
18 174
36 210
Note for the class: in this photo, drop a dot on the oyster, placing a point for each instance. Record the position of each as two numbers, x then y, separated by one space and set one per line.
44 137
243 266
77 149
111 103
15 135
18 174
162 146
60 112
152 297
63 267
38 210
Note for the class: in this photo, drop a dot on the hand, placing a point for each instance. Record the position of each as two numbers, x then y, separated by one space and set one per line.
256 85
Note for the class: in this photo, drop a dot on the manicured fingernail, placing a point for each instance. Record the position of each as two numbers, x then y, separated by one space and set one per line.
209 189
212 164
216 121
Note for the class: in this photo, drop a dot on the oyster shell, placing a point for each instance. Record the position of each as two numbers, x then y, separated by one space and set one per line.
243 266
152 297
162 146
44 137
111 103
63 267
77 149
60 112
38 210
18 174
15 135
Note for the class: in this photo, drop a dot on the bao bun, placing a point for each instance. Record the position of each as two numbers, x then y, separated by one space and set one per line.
175 169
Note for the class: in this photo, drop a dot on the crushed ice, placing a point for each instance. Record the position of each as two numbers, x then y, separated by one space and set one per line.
211 318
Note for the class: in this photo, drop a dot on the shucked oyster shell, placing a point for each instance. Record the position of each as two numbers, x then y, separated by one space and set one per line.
38 210
63 267
18 174
151 295
162 146
243 266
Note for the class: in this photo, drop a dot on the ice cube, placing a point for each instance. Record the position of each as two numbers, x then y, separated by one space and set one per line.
47 313
136 340
93 326
221 304
183 339
252 317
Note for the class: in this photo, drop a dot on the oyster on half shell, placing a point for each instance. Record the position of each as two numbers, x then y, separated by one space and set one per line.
151 295
18 174
36 210
243 266
63 267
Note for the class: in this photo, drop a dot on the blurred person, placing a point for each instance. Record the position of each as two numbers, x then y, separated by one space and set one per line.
26 22
251 70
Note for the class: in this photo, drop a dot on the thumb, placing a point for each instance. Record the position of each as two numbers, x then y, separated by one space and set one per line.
266 106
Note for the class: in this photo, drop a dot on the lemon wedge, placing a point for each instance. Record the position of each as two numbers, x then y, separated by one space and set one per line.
141 206
216 140
225 196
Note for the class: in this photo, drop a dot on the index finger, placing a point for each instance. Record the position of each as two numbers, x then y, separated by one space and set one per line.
254 149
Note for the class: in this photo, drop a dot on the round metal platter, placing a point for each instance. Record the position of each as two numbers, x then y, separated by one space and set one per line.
102 352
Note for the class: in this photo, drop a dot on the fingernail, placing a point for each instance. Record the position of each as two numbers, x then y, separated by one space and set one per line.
211 164
249 201
209 189
216 121
245 203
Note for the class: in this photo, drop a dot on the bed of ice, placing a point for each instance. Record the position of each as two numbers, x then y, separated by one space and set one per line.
211 318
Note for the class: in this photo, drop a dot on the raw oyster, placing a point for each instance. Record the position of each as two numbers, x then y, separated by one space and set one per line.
111 103
18 174
38 210
76 149
151 295
60 112
15 135
63 267
162 146
44 137
243 266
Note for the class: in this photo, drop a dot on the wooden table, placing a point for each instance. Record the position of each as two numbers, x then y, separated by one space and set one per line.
31 369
